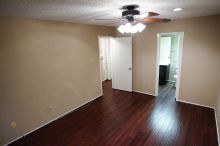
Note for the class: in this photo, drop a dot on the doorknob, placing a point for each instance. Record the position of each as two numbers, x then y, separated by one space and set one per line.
129 68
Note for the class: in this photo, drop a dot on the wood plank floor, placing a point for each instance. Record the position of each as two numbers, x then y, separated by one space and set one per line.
121 118
167 91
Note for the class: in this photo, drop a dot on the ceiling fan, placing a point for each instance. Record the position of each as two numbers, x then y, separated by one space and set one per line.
132 17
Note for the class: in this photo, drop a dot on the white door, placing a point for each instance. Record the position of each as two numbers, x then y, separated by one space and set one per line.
122 63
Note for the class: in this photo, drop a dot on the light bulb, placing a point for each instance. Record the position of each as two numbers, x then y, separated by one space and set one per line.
134 29
140 27
127 27
121 28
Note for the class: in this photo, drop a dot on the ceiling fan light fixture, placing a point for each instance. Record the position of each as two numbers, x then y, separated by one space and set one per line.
129 28
177 9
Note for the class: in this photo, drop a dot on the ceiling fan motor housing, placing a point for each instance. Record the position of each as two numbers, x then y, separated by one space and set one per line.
130 11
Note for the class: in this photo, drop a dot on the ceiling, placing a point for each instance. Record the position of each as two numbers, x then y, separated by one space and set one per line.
86 11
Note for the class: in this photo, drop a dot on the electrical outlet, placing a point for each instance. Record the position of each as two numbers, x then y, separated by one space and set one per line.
13 125
51 108
91 59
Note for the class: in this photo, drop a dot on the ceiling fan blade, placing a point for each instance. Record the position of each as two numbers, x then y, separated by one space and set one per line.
151 14
153 20
111 19
147 14
110 24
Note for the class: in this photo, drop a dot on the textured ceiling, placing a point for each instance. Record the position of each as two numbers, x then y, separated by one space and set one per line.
86 11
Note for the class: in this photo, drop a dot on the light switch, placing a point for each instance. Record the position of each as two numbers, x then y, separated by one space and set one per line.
13 125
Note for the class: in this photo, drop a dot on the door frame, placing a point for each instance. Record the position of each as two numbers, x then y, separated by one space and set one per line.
181 38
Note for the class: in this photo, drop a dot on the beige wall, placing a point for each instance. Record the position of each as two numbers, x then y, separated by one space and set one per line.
200 59
43 64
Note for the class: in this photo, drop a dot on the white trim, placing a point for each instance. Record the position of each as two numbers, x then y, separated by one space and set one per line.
112 63
181 35
195 104
100 71
143 93
157 65
72 110
216 121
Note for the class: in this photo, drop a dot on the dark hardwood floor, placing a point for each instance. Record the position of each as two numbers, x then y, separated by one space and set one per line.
121 118
167 91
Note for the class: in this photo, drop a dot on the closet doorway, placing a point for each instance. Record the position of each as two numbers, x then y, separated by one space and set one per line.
116 62
105 58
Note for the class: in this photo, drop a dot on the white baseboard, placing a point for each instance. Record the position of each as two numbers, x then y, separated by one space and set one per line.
195 104
216 121
72 110
143 92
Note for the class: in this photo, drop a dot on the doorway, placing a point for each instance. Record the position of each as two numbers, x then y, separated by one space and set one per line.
116 62
105 58
169 58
